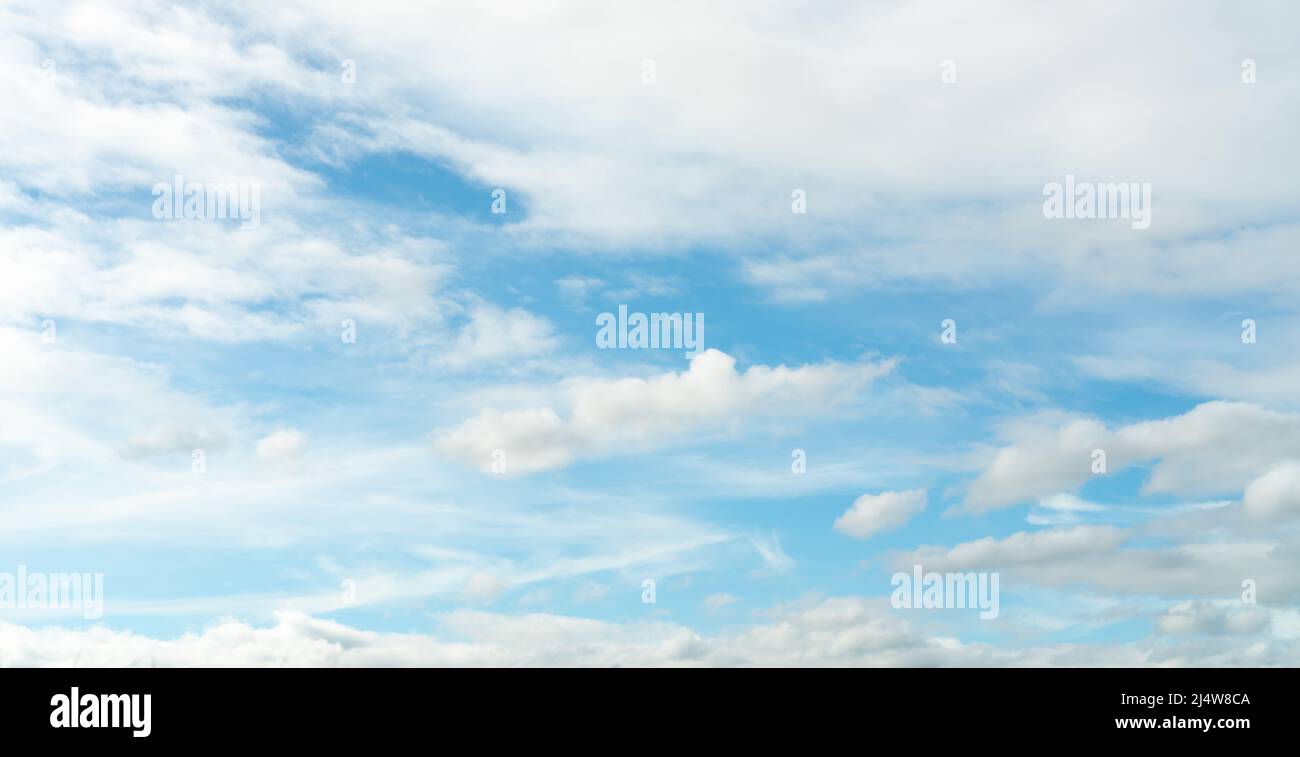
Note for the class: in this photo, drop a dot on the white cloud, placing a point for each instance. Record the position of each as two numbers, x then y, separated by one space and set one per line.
1021 548
834 632
1201 617
587 143
54 414
497 335
1110 559
282 446
1214 448
1275 494
121 72
1042 461
1172 353
873 513
714 603
1061 509
774 557
75 155
484 588
626 415
1068 503
583 145
169 438
215 282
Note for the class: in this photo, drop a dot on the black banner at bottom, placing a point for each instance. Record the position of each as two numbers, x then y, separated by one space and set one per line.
242 707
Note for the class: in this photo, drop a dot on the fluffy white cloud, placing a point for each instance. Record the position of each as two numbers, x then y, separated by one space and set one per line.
837 631
887 54
594 156
1042 461
602 161
609 417
595 152
1274 494
83 83
1214 448
281 446
873 513
495 334
215 282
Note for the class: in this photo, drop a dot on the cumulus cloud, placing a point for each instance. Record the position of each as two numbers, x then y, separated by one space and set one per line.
873 513
596 137
133 69
607 416
1275 494
591 162
589 134
843 631
1041 462
1215 447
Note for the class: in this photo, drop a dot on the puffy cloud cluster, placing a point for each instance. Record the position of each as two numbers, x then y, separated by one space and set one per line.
839 631
1215 448
619 416
872 513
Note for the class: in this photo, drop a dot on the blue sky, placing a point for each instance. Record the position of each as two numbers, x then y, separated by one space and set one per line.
348 511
